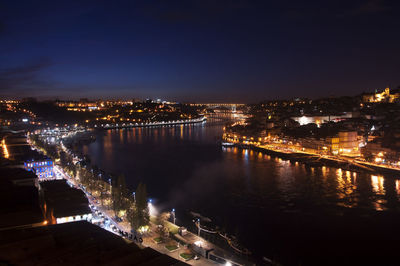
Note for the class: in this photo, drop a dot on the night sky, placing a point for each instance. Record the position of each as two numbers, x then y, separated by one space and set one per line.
217 51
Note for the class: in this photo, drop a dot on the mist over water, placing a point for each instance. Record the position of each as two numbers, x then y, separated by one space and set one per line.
277 208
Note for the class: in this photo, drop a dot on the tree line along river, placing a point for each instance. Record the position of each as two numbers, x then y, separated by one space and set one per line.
276 208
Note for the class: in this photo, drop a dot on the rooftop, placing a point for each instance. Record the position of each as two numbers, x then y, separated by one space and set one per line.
21 201
63 200
79 243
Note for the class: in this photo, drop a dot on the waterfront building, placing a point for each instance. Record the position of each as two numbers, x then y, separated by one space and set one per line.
64 204
332 144
310 144
376 151
348 143
43 168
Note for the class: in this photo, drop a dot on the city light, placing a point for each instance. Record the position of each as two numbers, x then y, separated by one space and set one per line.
174 218
294 174
5 150
152 210
144 229
198 243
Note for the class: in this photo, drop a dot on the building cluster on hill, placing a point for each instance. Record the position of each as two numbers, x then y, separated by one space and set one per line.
382 96
31 114
365 126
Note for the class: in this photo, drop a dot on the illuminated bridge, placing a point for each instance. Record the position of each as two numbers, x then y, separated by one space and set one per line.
231 106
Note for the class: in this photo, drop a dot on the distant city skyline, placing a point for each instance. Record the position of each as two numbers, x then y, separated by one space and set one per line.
197 51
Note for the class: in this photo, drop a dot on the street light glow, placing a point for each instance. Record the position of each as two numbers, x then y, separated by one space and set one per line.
198 243
152 210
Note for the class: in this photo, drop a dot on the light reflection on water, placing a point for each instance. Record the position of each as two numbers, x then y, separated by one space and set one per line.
377 184
345 182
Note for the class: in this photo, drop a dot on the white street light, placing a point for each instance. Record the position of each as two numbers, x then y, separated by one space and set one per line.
173 212
197 222
109 180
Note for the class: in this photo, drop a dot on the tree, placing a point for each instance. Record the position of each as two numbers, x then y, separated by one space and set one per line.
64 160
73 170
91 181
137 211
141 196
51 151
115 195
85 177
103 195
141 205
132 215
161 219
119 194
78 171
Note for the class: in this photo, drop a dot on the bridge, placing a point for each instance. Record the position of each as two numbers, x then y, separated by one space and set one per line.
231 106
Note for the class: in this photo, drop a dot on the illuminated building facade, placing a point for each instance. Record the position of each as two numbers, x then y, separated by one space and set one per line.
304 120
383 96
42 168
63 203
75 218
332 144
348 143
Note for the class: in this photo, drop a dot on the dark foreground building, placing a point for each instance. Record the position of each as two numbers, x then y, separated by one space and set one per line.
79 243
20 199
63 204
27 238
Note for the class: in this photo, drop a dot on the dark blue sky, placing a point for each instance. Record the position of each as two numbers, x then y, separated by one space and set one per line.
237 51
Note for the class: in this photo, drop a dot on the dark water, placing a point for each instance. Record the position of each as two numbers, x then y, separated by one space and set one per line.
286 211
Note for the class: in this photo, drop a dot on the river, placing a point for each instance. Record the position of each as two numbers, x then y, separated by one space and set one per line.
282 210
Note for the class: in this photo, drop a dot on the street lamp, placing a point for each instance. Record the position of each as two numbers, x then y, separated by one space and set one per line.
173 212
134 196
152 209
197 222
109 181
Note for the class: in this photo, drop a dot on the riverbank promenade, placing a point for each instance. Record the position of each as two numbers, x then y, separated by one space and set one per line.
290 152
149 236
